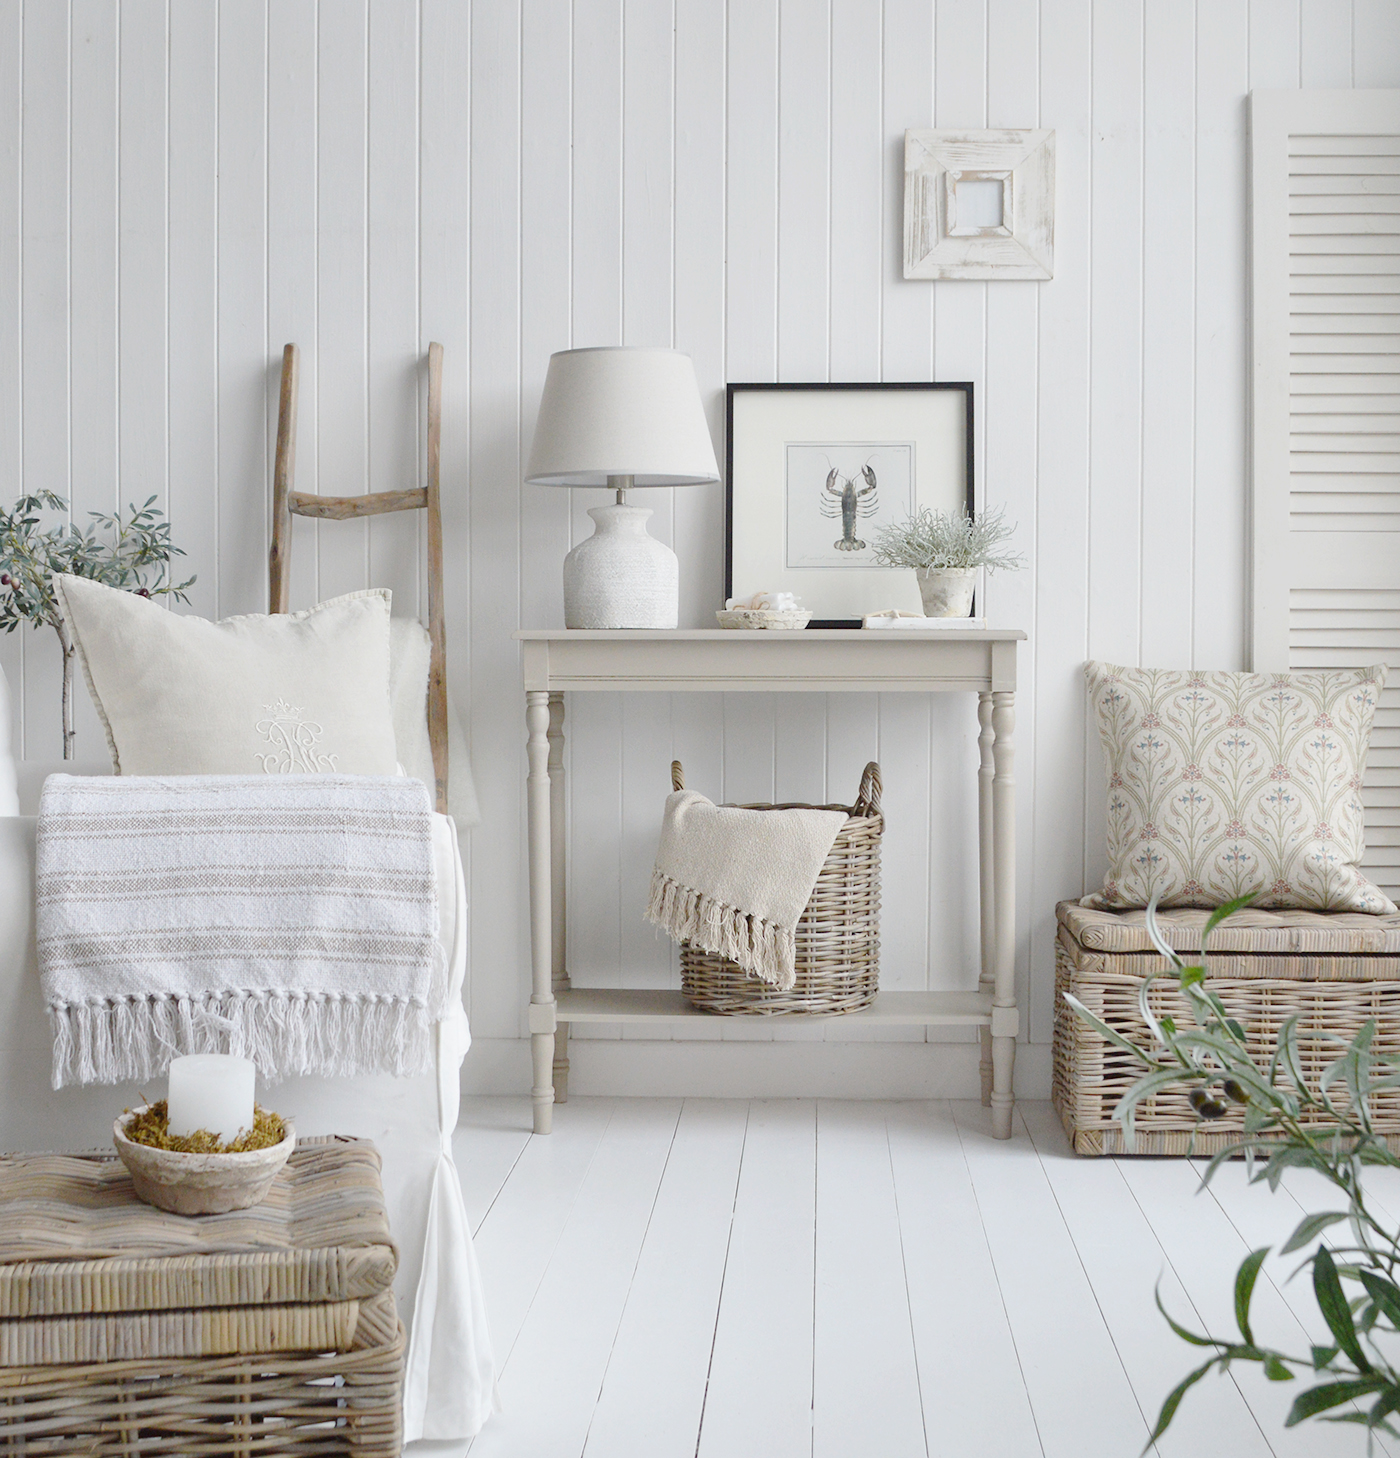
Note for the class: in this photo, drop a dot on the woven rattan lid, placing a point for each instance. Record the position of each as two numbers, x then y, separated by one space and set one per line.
1306 933
74 1239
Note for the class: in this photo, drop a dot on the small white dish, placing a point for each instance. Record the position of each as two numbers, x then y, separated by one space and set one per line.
763 618
884 623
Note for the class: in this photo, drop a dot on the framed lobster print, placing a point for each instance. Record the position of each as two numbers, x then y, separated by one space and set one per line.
814 472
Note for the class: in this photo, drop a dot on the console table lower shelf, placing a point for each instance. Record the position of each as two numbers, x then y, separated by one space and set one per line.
660 1005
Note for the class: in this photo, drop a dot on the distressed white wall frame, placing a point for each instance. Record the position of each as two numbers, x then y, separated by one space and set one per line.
949 229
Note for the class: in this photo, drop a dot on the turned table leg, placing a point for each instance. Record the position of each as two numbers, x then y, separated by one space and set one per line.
542 1007
559 977
986 881
1005 1018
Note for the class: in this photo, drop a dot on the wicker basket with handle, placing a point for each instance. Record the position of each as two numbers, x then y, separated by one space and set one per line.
838 934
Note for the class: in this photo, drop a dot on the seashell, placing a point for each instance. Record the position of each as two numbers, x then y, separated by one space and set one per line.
777 602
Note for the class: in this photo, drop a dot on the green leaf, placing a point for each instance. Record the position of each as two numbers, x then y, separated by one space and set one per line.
1231 1151
1310 1226
1145 1087
1256 1120
1291 1156
1192 977
1244 1290
1226 1050
1275 1370
1155 933
1173 1401
1334 1307
1286 1054
1331 1394
1384 1293
1221 912
1103 1029
1176 1326
1147 1015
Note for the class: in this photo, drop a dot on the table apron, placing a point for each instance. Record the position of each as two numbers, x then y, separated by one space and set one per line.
765 667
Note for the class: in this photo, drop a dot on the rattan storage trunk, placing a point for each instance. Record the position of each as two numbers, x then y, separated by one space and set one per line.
837 936
1335 970
124 1329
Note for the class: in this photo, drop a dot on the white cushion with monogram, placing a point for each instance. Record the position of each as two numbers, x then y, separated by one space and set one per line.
291 693
1226 784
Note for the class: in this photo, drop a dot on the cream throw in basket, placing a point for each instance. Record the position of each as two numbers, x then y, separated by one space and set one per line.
826 878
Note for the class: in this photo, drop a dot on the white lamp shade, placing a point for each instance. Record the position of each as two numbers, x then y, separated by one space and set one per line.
621 412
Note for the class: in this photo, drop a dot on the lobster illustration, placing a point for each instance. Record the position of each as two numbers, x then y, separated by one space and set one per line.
849 502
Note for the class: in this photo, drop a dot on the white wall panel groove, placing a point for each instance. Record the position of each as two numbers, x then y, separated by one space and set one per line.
184 187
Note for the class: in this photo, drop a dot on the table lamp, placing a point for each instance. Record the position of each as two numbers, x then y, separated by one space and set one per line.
621 418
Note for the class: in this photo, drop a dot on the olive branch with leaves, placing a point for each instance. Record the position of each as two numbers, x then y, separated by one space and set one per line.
130 551
1289 1123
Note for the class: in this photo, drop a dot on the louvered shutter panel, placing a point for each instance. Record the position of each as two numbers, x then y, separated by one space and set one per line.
1325 388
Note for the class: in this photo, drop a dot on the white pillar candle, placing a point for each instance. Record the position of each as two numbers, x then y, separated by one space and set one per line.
212 1091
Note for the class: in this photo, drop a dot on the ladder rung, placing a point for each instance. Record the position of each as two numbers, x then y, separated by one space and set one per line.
341 508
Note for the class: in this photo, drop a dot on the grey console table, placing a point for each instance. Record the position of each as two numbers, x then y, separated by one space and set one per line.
939 660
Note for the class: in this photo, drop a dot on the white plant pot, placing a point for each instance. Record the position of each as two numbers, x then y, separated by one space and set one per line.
620 577
946 591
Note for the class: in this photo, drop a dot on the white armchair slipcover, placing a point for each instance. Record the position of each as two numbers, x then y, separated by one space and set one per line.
449 1384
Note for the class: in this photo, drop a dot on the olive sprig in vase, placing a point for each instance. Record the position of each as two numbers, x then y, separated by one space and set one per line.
130 551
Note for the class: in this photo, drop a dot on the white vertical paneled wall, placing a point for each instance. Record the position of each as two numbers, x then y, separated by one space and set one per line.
187 184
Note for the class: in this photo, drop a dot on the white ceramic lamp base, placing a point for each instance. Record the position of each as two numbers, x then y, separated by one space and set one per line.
621 577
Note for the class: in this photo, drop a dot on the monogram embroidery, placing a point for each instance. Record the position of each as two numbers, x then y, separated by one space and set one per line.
293 740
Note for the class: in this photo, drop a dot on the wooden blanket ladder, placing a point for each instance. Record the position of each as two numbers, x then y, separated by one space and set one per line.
287 503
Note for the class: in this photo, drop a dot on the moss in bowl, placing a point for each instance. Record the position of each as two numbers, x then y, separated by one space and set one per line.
150 1125
196 1174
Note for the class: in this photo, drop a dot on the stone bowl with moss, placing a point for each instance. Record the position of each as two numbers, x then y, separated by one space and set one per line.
197 1174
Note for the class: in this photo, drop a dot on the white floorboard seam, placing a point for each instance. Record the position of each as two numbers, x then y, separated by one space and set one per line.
503 1360
1150 1420
1201 1324
500 1189
641 1246
991 1257
908 1300
724 1273
816 1206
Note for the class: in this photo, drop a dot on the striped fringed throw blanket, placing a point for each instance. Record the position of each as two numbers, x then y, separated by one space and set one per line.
734 882
292 919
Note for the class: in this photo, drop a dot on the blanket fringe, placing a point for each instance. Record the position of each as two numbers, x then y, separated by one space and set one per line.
116 1040
762 949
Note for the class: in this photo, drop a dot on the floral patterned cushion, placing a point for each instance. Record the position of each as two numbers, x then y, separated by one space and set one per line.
1226 784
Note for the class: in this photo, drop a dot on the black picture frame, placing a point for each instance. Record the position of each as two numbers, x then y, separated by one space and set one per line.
735 389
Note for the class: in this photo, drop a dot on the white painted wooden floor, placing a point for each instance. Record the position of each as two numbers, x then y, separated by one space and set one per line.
767 1279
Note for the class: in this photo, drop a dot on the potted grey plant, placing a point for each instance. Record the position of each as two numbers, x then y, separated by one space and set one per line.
945 552
130 550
